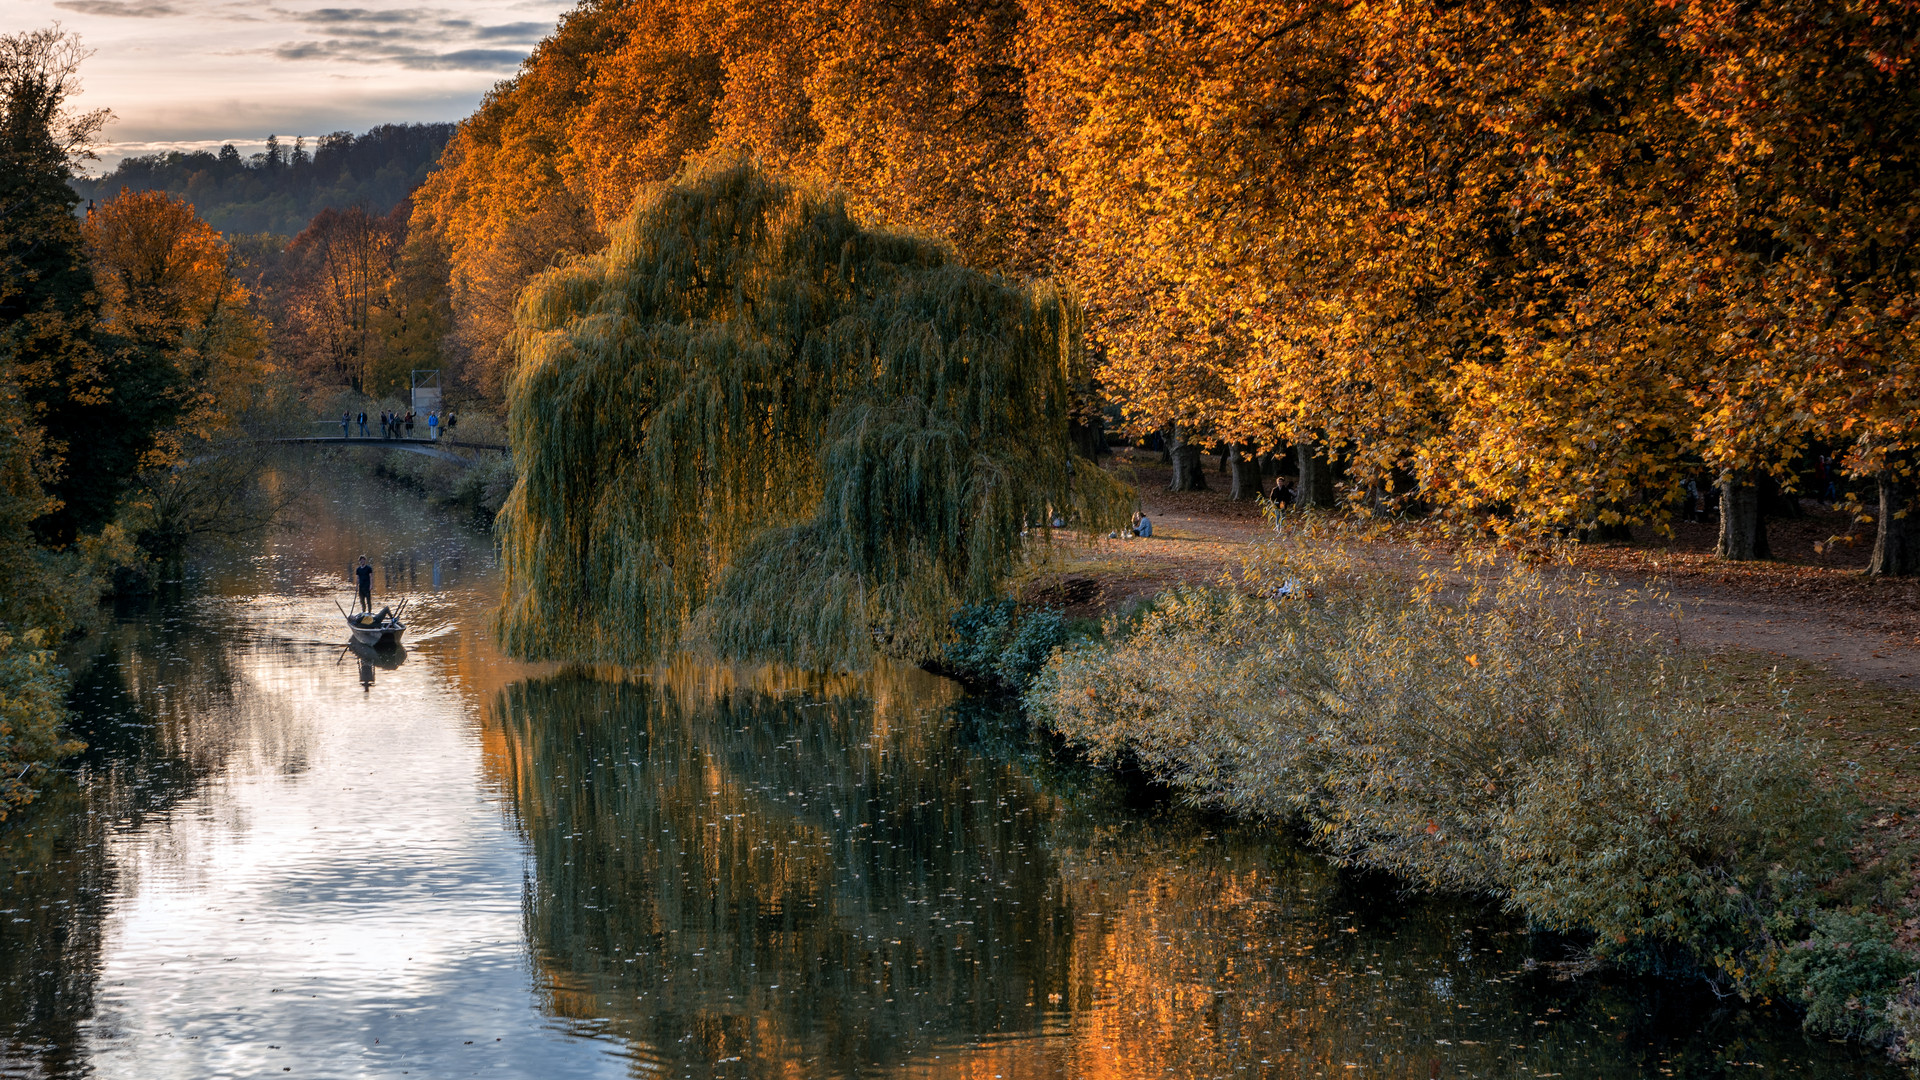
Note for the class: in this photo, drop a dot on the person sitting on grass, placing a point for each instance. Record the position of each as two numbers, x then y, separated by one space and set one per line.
1142 526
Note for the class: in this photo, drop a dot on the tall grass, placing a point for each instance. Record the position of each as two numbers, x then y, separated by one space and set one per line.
1484 731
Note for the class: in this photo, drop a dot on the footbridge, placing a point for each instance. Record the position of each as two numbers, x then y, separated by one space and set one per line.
433 448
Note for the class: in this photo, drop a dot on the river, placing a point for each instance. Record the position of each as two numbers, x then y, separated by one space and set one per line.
281 858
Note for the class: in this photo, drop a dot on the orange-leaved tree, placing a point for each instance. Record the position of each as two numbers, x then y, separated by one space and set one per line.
1814 112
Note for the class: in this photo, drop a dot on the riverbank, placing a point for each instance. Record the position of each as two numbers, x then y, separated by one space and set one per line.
1134 700
477 489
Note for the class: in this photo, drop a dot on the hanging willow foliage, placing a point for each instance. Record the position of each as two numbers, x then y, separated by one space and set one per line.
754 420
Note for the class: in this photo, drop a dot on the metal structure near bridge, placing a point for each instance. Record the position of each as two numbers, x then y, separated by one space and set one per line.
423 394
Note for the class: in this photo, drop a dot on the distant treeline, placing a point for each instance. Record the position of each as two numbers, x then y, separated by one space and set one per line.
281 190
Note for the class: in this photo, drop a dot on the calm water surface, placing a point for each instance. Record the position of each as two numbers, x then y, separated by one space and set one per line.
281 858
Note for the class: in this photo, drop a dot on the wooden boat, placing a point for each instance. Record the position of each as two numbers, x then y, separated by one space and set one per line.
381 630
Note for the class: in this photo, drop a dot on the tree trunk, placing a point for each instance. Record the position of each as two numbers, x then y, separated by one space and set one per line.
1743 525
1189 473
1316 478
1896 545
1246 474
1089 436
1226 454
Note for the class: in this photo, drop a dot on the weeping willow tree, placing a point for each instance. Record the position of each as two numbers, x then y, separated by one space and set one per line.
755 421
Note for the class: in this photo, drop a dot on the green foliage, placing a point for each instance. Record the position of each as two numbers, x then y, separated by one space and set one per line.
32 705
1504 741
1847 973
376 170
47 304
483 488
756 418
999 647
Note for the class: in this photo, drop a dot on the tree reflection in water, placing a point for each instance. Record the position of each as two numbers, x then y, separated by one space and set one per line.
758 876
158 701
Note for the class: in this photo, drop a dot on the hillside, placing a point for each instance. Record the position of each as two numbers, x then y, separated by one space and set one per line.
280 191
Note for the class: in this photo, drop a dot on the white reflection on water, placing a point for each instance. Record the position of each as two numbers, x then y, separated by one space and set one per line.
342 897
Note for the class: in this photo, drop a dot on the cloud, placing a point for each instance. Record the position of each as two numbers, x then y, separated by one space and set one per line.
469 60
381 51
528 32
340 16
419 39
139 9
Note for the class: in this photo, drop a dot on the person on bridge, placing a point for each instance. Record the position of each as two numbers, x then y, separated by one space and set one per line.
363 576
363 424
409 423
346 418
451 418
433 426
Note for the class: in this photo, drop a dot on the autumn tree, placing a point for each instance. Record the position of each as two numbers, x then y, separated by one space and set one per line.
1529 264
930 134
172 312
1812 116
411 326
47 302
337 274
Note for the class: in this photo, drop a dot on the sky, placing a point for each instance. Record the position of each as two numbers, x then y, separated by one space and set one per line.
194 74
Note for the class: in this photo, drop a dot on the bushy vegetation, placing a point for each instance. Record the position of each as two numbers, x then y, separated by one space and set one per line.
998 647
33 692
1490 733
1847 973
757 419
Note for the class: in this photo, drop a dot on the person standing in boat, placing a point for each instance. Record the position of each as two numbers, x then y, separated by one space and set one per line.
363 574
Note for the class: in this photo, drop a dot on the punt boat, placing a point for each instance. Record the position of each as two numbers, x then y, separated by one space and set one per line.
380 630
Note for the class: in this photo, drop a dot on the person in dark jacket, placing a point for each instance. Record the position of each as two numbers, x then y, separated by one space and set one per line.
363 576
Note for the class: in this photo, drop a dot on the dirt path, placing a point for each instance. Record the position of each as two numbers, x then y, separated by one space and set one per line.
1812 605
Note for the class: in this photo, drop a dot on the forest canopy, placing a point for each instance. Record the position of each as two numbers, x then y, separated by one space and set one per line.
753 417
1546 266
281 189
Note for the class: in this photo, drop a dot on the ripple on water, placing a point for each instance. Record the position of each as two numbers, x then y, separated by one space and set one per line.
281 858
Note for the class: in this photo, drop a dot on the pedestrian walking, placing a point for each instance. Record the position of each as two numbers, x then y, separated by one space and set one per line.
346 420
363 424
409 423
433 426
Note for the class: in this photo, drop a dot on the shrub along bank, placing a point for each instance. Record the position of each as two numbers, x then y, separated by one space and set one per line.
479 488
1499 738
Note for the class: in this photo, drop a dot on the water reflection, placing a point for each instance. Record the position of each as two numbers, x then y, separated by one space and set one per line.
149 701
799 880
282 855
369 658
